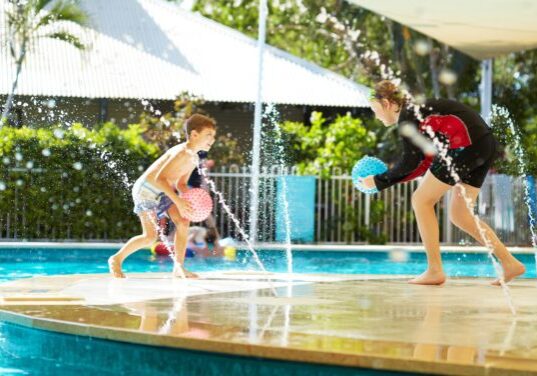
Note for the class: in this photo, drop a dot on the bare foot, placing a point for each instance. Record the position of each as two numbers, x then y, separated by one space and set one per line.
511 270
115 268
429 278
180 272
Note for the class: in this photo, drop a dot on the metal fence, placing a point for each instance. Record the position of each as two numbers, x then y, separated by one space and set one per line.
343 215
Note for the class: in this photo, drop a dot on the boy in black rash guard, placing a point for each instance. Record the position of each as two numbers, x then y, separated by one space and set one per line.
466 140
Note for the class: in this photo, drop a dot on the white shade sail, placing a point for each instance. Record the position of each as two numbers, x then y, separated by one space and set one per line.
481 29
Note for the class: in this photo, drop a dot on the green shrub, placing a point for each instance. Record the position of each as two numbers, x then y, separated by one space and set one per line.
71 183
326 148
509 160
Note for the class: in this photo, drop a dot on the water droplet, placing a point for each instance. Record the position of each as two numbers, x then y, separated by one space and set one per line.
420 99
19 182
422 47
29 165
58 133
43 189
51 103
18 156
77 166
89 213
46 152
5 160
2 186
76 189
447 77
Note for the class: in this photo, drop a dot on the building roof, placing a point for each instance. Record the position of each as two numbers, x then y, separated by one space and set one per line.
481 29
155 50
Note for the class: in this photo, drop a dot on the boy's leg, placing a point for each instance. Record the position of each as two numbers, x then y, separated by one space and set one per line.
424 199
180 239
150 234
464 219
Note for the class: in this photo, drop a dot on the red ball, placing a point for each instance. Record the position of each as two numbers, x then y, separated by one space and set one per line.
161 249
201 203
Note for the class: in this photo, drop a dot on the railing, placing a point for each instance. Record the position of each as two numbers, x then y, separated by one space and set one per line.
343 215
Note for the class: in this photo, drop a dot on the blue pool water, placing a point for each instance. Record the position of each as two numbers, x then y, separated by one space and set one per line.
25 351
23 263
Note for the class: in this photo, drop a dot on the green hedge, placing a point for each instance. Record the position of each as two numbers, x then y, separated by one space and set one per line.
70 183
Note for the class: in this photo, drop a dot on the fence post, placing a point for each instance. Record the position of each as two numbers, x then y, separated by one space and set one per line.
367 210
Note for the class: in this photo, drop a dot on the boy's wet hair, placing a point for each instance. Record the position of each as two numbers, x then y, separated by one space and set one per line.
198 122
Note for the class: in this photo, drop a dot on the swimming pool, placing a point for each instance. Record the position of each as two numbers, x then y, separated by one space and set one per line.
30 351
26 351
28 262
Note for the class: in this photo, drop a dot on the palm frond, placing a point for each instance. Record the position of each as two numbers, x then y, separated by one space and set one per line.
64 11
68 38
39 5
69 10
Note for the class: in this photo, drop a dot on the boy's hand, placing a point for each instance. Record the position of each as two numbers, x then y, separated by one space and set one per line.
182 188
184 207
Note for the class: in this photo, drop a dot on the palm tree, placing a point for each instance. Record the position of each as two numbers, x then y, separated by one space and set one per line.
31 20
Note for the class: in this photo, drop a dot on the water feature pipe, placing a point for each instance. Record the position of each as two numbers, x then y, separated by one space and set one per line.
254 186
485 89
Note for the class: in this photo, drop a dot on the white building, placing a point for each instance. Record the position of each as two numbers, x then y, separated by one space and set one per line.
154 50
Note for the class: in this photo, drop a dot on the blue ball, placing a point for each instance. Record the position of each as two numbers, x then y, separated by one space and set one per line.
365 167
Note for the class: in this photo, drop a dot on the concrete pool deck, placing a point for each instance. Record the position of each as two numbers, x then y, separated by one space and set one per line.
464 327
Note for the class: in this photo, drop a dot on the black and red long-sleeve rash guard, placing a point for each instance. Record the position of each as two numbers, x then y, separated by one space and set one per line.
453 123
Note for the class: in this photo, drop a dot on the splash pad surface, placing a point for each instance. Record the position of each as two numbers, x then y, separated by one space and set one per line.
376 322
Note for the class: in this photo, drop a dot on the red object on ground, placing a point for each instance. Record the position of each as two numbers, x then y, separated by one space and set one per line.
201 202
161 249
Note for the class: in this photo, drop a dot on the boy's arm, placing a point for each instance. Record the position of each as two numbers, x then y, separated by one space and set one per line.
182 183
172 163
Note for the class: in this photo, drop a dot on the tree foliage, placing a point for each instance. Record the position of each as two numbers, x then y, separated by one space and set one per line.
346 39
361 45
326 147
168 129
31 20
